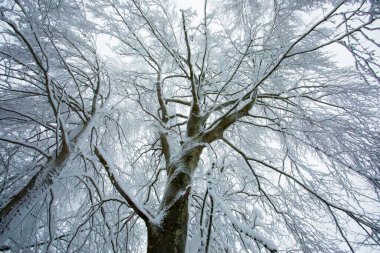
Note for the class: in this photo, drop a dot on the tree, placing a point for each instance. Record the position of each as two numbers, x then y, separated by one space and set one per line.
52 84
229 131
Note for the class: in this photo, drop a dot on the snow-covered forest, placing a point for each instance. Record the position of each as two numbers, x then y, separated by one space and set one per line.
228 126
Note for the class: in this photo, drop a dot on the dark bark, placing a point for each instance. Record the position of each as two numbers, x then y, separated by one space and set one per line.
170 234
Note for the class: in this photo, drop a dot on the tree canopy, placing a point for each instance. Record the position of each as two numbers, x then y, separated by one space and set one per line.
233 126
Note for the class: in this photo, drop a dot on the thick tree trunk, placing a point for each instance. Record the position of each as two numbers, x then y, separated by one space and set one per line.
170 233
170 236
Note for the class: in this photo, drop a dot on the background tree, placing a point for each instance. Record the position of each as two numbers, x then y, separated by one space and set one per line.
52 83
230 130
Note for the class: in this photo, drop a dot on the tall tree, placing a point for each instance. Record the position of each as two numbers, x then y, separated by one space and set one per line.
52 84
232 130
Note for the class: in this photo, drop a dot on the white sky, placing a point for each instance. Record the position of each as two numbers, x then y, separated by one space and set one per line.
342 56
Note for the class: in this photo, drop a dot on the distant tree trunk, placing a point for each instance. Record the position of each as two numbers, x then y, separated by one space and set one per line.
170 234
21 202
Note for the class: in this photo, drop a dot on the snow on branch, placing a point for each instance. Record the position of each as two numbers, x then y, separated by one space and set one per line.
108 165
24 144
243 228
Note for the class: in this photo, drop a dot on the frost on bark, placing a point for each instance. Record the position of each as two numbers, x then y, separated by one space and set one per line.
142 126
46 115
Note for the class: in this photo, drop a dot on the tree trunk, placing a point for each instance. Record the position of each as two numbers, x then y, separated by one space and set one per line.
170 233
170 236
21 202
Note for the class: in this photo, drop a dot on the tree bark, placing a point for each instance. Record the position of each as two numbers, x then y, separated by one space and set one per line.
170 235
21 202
170 232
